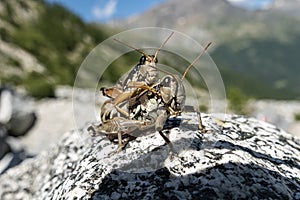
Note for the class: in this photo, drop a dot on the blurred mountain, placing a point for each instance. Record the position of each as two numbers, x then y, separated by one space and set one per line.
255 50
290 7
42 45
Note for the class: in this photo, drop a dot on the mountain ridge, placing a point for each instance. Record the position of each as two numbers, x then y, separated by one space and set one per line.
251 42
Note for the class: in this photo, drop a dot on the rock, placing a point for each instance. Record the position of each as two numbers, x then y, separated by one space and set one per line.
239 158
17 114
279 112
74 110
16 118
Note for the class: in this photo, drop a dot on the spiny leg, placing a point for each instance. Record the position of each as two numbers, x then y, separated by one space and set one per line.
160 121
120 144
168 142
166 139
200 125
123 112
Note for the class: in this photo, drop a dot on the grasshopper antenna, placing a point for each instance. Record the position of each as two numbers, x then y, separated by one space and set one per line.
198 57
163 44
132 47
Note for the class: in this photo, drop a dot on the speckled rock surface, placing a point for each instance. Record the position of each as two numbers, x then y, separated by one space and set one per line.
239 159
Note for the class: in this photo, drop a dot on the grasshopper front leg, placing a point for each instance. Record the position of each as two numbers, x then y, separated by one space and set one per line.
120 143
200 125
159 125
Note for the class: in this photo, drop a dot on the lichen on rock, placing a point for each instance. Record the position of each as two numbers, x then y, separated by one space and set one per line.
238 158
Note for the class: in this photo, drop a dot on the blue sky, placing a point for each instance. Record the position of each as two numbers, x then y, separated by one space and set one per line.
103 10
251 4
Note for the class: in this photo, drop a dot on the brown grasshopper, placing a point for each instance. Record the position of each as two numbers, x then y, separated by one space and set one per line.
145 72
115 116
133 101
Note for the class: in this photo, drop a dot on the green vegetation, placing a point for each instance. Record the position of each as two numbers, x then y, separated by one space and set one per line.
264 68
120 66
56 33
39 86
238 101
58 39
13 62
203 108
297 116
257 63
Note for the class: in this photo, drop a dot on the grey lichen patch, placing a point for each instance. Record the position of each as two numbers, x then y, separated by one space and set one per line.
238 158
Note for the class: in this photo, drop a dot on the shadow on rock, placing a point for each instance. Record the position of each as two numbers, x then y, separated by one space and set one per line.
225 181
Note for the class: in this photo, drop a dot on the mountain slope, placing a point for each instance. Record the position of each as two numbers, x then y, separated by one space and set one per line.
290 7
250 47
43 44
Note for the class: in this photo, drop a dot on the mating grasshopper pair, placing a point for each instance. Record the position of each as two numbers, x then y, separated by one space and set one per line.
142 100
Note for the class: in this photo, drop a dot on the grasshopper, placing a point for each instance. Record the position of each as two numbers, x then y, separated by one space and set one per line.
145 72
137 97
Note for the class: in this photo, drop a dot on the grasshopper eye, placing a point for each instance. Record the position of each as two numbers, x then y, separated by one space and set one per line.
166 82
142 60
152 57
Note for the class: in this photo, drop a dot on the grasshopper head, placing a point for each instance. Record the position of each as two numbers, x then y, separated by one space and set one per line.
149 69
148 60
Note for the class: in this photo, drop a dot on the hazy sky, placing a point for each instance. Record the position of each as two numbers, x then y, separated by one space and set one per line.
103 10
